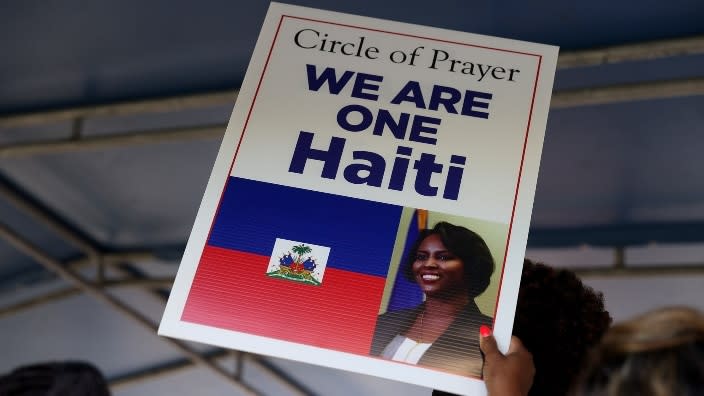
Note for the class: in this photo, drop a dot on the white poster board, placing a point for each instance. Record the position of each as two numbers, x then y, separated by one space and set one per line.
349 132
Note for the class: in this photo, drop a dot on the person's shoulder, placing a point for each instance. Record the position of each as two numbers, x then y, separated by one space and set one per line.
485 319
399 319
472 312
389 324
398 314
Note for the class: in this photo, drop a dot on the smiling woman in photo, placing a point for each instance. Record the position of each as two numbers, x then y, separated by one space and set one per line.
452 265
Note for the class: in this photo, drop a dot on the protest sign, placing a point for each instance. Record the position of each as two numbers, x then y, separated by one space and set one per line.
350 136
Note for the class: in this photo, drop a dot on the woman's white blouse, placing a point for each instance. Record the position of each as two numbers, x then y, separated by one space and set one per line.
404 349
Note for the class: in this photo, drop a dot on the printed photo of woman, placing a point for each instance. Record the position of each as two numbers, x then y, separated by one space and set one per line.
451 265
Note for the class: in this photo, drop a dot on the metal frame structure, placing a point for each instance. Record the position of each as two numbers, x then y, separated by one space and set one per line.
97 290
97 257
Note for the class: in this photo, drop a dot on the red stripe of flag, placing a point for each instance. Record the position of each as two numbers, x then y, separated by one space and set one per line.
231 291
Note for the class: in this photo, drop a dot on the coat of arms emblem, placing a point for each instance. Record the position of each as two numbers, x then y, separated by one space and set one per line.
298 261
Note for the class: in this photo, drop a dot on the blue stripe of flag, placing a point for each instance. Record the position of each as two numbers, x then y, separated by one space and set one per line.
360 233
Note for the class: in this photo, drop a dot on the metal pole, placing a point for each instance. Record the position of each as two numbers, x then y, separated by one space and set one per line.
41 215
160 370
633 271
114 141
70 292
627 93
632 52
169 104
39 300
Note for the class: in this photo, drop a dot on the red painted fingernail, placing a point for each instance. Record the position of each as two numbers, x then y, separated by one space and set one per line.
484 331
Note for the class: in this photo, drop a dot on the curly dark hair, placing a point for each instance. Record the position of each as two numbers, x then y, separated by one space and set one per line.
465 244
558 318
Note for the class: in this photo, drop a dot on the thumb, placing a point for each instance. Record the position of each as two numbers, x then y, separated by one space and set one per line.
516 345
487 343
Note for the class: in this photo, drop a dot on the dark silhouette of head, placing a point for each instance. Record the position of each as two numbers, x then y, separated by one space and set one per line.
54 379
558 319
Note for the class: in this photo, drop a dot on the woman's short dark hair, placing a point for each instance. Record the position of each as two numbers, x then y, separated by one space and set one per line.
465 244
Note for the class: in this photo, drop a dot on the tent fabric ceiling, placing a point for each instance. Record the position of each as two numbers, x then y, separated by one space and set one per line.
614 172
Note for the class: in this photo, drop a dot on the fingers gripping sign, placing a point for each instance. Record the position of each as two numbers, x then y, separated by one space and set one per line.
506 375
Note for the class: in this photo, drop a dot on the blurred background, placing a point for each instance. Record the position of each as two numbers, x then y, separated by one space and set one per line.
111 114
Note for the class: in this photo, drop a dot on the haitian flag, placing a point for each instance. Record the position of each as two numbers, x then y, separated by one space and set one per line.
243 283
